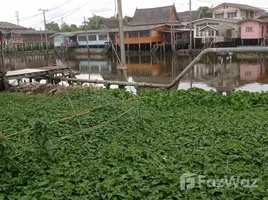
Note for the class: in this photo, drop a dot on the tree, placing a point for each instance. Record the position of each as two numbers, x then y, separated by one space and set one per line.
65 28
31 28
53 26
73 28
206 11
127 19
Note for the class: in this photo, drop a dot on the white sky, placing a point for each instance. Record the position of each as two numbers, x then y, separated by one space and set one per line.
69 9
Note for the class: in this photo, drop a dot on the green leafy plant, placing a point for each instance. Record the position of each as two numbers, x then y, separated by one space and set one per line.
109 144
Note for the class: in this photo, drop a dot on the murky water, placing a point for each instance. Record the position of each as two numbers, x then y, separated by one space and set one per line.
210 73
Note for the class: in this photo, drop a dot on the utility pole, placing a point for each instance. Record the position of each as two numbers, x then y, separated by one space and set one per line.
121 33
3 83
42 46
45 24
17 17
191 33
85 23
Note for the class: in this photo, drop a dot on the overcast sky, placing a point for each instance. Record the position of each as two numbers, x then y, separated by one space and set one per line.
73 11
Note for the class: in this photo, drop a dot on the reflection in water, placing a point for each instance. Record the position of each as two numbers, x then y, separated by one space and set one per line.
210 73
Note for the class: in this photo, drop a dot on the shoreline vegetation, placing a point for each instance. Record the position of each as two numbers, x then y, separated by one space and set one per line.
110 144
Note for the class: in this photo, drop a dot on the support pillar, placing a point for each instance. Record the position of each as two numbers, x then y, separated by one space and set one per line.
121 86
139 47
150 46
128 47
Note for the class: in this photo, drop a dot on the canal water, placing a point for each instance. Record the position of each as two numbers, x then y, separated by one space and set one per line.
210 73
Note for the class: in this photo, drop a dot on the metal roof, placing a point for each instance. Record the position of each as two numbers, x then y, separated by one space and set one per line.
240 6
185 16
265 20
217 27
10 26
235 21
111 23
33 32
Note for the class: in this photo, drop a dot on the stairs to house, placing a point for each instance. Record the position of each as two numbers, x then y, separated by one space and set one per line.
156 47
265 40
107 46
208 44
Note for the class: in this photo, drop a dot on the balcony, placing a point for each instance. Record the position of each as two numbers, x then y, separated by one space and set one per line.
213 39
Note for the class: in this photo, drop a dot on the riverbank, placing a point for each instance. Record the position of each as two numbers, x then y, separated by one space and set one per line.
109 144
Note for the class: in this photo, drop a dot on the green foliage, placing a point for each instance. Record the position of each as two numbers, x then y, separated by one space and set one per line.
140 155
53 26
93 23
127 18
206 11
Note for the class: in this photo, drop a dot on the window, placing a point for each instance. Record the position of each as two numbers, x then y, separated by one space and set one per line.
144 34
232 15
133 34
201 25
82 38
247 73
225 7
219 15
58 40
210 33
92 37
102 37
249 29
213 23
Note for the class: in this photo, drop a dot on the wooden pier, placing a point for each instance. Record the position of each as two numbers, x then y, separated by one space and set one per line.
37 72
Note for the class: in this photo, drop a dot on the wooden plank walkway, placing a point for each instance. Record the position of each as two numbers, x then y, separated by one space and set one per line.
36 72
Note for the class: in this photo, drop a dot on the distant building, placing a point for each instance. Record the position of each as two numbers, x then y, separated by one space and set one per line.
7 27
154 16
28 36
64 39
254 31
215 31
145 29
111 23
17 35
184 17
91 38
236 11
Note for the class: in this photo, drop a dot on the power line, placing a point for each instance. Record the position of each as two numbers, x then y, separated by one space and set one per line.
61 5
63 15
51 9
69 12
